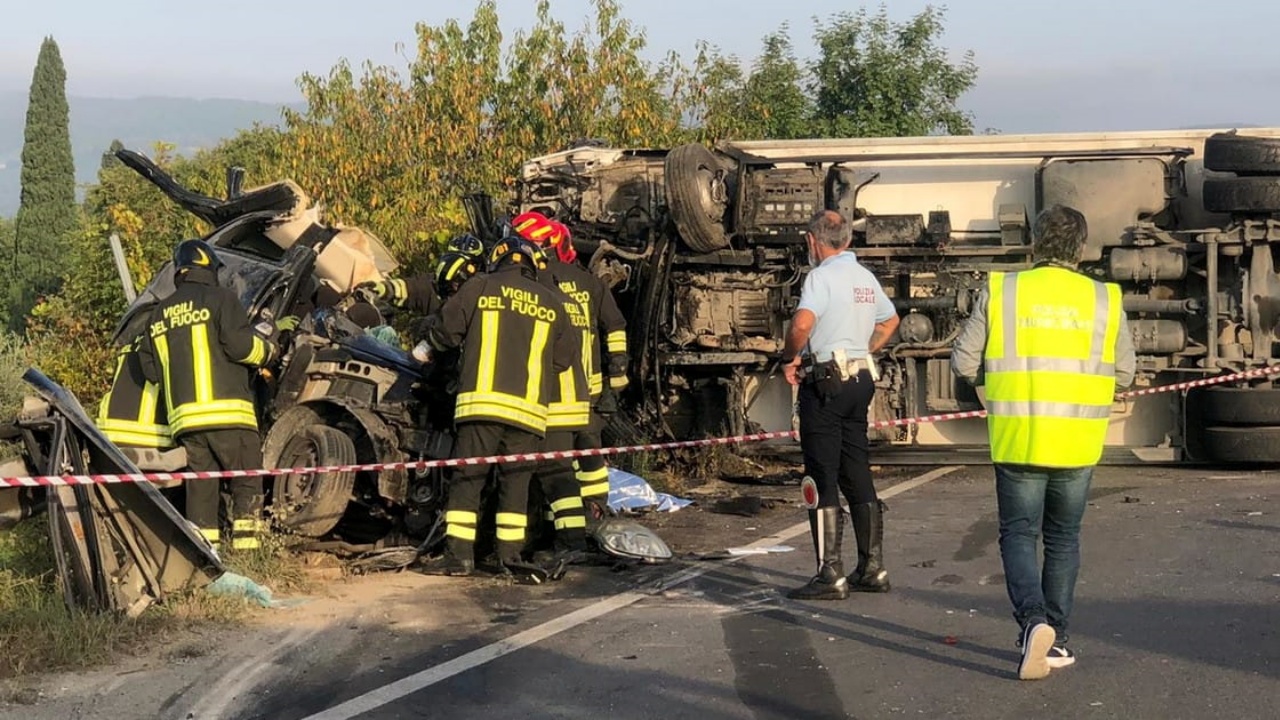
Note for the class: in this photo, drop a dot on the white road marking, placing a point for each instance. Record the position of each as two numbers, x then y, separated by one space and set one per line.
387 694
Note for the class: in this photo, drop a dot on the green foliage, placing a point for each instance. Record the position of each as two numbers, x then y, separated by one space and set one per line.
47 214
875 77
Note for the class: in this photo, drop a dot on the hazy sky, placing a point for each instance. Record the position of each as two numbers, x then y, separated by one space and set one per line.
1043 65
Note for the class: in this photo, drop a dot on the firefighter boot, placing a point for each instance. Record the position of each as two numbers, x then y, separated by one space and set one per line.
868 530
458 560
827 528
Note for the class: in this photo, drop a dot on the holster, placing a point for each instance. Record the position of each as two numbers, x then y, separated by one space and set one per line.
826 378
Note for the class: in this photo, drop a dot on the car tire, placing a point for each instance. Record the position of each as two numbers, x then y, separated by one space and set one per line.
698 204
1242 154
1257 195
312 504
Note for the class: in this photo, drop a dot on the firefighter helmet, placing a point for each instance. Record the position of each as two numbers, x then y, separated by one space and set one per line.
562 242
516 251
454 269
195 254
534 227
467 244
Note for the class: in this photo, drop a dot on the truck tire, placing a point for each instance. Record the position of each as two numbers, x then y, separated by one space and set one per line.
1240 406
1243 154
1243 445
690 180
311 505
1242 195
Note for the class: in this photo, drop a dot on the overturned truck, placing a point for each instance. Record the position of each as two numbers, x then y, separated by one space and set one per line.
704 248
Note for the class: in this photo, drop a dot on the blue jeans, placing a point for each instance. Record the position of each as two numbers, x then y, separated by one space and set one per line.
1031 499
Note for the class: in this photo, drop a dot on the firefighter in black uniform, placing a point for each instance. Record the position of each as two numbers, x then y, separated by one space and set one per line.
514 345
202 352
568 412
420 293
132 413
605 321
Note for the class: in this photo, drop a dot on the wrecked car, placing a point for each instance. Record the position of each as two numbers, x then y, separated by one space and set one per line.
704 247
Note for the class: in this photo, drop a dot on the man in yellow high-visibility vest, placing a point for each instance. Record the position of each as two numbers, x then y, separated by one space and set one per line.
1050 347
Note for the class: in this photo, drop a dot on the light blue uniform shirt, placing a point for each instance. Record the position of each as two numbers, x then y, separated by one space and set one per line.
847 301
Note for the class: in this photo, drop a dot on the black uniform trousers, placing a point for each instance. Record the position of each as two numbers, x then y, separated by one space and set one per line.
593 476
833 438
559 487
206 506
466 486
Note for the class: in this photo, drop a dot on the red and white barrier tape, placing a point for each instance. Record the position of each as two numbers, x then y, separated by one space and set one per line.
40 480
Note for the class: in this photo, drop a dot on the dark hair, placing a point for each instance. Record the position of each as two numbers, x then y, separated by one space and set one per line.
1059 235
830 229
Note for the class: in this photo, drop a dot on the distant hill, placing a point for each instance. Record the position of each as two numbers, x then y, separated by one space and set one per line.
137 122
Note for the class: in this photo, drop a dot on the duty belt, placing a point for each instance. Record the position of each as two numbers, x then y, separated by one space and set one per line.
848 370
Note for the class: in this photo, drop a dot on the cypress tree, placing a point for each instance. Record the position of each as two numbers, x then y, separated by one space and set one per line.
47 215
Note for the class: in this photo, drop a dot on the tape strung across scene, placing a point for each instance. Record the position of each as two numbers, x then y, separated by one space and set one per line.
40 480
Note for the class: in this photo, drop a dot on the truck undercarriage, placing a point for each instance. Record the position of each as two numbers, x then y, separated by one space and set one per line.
704 249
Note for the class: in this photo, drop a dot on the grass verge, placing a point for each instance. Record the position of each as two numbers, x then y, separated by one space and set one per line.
39 634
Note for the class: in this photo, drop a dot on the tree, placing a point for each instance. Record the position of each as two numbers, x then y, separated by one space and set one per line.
47 215
877 78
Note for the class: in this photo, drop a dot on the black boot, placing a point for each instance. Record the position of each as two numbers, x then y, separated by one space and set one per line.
827 528
868 530
458 560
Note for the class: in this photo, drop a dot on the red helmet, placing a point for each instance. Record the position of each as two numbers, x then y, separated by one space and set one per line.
534 227
562 241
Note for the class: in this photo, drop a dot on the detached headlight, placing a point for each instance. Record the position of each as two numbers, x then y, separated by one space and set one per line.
630 539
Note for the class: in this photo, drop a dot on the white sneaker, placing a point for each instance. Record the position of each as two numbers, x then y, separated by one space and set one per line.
1060 657
1037 641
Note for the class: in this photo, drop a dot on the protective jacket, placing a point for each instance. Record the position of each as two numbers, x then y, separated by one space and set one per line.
200 348
131 414
604 322
514 345
416 294
569 405
1050 366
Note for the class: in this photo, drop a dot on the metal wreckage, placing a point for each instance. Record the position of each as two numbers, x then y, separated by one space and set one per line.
703 248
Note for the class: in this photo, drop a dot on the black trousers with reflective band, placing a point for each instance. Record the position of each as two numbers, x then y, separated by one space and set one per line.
833 438
593 476
466 486
560 488
231 449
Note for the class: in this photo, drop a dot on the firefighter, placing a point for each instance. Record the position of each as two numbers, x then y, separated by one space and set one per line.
604 320
421 293
131 414
454 269
514 346
568 412
202 352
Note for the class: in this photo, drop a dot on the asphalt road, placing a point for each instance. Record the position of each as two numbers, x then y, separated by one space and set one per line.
1177 616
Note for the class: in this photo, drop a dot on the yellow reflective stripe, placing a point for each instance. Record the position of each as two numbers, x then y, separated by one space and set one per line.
245 543
244 525
1111 321
202 362
219 412
568 388
127 432
588 342
257 353
570 503
488 360
161 344
594 490
1041 408
509 534
571 522
399 291
465 517
616 341
595 384
147 405
462 532
599 473
211 534
501 405
619 382
570 418
511 519
537 361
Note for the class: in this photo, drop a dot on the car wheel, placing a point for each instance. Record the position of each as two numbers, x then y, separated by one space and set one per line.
312 504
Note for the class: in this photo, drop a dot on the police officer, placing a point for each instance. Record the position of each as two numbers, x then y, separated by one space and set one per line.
844 315
607 339
514 346
202 352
